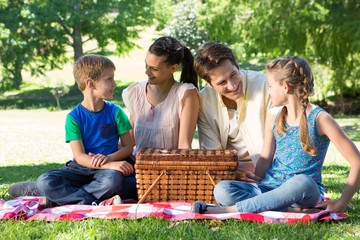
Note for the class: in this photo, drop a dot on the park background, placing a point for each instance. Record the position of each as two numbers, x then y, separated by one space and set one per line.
40 39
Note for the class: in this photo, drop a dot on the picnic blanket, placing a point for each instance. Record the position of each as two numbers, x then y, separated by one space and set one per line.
31 208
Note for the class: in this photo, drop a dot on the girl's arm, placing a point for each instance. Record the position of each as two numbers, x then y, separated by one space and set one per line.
188 118
268 150
328 127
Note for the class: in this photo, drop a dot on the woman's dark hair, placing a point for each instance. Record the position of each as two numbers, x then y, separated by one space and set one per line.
176 53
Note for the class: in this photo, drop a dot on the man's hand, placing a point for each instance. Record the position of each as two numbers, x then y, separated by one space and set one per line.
247 177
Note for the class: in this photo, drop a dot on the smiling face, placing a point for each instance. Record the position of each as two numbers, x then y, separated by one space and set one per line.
158 71
276 89
227 81
104 86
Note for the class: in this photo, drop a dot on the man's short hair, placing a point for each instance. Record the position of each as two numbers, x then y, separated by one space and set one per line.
211 55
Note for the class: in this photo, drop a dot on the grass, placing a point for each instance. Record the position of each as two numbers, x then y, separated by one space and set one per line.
33 142
38 98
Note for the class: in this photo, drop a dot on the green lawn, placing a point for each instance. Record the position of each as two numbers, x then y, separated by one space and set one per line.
33 142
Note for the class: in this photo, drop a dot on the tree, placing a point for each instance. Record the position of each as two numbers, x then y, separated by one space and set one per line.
222 20
72 23
325 32
184 24
23 44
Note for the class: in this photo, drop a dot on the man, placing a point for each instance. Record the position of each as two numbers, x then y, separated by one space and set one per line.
233 105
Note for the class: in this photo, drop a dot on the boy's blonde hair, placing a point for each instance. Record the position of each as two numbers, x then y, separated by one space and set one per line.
296 72
90 66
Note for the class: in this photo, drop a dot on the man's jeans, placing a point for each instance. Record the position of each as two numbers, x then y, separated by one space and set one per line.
299 191
75 184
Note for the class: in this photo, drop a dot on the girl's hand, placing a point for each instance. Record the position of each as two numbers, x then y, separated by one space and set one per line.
335 206
247 177
98 160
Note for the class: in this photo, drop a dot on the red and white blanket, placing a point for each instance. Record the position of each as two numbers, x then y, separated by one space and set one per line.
31 208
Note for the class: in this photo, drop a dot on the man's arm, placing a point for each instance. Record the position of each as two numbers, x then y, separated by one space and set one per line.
208 131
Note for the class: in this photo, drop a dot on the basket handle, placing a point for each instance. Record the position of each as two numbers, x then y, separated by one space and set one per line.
211 179
148 191
151 187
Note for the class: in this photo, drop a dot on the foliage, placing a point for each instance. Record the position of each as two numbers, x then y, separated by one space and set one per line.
45 29
184 24
223 20
23 44
326 32
163 12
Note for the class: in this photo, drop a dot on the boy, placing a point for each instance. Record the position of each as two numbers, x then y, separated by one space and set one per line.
101 162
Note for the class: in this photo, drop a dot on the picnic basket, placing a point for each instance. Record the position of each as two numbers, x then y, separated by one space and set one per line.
185 175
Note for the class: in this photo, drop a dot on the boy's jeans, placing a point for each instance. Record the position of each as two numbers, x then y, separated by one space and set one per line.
298 191
75 184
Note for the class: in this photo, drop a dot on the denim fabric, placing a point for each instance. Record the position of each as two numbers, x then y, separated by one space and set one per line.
75 184
299 191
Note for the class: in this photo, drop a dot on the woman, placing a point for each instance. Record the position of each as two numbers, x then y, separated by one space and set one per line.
164 112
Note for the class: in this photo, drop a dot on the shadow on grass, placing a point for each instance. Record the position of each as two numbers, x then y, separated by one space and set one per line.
42 98
19 173
353 131
12 174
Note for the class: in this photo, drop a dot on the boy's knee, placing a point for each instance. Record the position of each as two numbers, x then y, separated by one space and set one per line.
42 182
112 179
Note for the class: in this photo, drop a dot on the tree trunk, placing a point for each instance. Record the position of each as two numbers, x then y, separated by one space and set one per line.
17 75
77 39
77 42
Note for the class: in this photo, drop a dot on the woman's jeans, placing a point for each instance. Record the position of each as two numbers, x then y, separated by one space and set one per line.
298 191
75 184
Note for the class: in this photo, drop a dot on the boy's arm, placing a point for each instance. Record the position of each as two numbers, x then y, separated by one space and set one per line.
80 156
87 160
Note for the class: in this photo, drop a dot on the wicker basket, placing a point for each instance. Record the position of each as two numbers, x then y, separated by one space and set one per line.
164 175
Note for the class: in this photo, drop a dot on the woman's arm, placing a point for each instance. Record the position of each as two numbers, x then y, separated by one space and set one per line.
188 118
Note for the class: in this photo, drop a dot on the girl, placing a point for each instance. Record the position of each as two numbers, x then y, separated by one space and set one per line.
297 136
164 112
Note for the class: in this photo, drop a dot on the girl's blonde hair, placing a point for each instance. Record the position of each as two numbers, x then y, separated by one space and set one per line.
296 72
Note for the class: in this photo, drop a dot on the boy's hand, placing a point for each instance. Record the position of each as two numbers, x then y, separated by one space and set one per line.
122 166
98 160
